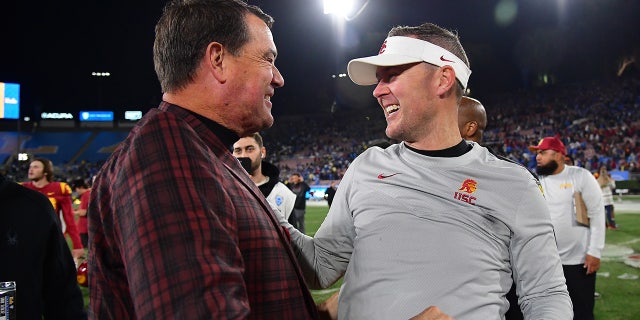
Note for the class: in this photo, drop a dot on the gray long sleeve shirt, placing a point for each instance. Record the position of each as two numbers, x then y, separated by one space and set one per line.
409 231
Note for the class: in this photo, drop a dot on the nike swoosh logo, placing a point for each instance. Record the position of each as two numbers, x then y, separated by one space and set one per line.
445 59
382 176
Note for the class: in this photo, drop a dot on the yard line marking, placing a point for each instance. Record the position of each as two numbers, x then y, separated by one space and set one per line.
629 242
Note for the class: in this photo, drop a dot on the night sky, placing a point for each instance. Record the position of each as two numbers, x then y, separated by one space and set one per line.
52 47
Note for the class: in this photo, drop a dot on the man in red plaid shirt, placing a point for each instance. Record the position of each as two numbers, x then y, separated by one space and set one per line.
177 229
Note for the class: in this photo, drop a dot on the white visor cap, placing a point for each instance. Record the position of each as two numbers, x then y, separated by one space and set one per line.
400 50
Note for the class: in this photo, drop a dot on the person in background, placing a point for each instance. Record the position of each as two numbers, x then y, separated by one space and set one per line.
580 246
330 192
472 119
59 194
607 185
35 255
177 228
426 221
265 175
84 191
568 160
300 188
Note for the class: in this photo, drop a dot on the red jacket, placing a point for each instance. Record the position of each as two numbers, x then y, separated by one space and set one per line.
84 205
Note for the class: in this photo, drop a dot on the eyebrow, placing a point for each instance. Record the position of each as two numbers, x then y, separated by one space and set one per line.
387 69
271 52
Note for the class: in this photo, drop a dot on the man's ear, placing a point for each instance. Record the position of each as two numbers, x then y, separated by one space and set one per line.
216 54
470 128
447 79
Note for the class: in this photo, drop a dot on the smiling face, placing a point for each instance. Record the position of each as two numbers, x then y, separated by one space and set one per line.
406 94
253 80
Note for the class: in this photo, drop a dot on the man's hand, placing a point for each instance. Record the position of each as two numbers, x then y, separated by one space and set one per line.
592 264
77 253
329 309
432 313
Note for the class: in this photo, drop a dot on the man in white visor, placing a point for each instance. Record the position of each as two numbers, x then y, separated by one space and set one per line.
433 221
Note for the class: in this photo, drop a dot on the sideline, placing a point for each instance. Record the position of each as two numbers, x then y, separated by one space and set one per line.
626 207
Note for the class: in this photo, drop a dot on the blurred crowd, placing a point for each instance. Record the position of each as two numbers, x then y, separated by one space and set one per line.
599 122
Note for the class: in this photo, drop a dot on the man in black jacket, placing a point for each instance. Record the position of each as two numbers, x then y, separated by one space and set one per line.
36 257
300 188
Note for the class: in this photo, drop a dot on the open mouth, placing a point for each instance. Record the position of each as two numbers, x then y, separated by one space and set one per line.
392 108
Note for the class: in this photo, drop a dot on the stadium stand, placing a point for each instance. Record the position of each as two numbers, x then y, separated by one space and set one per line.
102 146
598 121
59 147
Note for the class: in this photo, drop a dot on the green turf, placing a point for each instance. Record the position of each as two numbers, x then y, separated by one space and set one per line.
313 218
619 298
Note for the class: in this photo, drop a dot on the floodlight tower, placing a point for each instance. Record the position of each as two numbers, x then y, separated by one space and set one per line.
100 76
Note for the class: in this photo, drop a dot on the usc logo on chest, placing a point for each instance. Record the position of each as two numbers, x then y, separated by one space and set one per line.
463 194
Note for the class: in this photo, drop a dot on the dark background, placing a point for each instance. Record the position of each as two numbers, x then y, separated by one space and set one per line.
51 48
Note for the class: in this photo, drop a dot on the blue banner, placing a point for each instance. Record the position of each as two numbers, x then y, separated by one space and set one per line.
619 175
96 116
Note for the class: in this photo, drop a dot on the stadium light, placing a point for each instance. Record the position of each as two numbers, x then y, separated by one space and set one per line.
343 8
338 7
100 83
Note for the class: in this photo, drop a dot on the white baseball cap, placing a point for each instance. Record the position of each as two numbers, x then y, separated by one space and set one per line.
399 50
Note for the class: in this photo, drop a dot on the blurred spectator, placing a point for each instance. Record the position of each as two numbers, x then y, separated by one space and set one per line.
300 188
607 185
81 187
330 192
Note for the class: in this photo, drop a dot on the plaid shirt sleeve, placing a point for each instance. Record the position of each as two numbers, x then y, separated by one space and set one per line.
175 235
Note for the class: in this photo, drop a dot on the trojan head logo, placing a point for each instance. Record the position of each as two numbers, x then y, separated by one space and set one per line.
468 187
383 47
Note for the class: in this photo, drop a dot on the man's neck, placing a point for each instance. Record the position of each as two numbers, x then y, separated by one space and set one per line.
41 183
258 178
560 169
438 134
